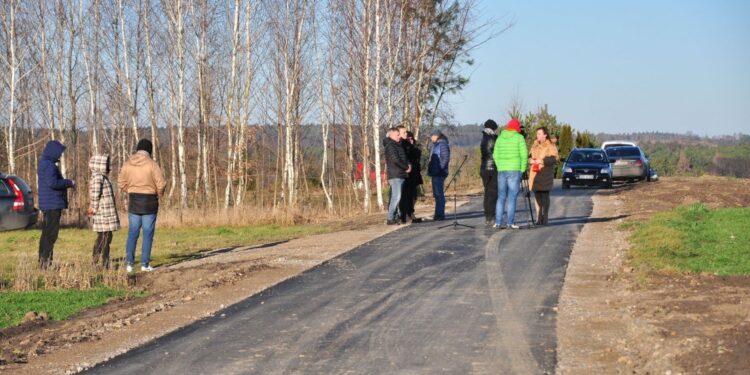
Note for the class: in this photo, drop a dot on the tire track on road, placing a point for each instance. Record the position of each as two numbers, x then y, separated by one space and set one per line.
512 333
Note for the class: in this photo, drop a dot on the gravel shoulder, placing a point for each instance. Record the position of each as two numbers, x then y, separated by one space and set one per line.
610 321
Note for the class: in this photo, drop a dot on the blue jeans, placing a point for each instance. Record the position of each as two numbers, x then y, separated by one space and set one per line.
438 191
397 185
135 223
508 185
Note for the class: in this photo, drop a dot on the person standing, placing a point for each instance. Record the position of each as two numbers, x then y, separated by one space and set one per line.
102 208
409 196
440 159
541 177
53 198
142 179
511 159
398 168
488 170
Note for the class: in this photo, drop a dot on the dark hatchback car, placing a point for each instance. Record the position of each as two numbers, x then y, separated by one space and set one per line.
587 167
17 209
629 163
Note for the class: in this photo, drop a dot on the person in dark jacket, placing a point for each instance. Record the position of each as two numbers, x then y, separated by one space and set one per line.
488 171
409 196
53 198
144 182
398 169
440 159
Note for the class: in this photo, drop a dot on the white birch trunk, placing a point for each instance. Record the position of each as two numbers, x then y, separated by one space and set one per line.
181 106
93 87
231 157
126 65
151 89
10 134
244 122
376 111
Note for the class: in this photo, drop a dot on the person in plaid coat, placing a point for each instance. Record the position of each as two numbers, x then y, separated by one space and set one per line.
102 208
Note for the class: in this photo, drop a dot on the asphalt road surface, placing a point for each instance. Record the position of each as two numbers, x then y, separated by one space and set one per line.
421 300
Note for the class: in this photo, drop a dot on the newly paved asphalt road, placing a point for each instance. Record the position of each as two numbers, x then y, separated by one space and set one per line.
421 300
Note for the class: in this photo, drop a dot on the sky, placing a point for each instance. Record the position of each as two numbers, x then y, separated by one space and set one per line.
615 66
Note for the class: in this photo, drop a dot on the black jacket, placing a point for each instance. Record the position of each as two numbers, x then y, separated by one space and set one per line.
395 159
487 147
143 204
414 155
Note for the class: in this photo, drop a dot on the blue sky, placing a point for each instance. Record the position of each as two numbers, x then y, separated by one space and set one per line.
616 66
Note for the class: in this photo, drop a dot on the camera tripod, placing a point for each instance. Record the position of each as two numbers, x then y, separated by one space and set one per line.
455 223
527 192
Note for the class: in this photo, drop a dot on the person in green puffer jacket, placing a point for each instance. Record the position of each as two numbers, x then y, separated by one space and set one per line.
511 158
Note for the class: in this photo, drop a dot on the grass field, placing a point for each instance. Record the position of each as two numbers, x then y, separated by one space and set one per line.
694 239
19 249
170 244
58 304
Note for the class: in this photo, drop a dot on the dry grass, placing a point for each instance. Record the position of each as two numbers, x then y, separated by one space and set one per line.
242 216
79 273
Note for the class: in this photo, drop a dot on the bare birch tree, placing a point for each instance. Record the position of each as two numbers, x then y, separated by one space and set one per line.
151 92
132 108
13 62
176 16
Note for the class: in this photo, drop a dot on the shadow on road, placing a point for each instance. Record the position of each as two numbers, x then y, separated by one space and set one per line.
583 220
178 258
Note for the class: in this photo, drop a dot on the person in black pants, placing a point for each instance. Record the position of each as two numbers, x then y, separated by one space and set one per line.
409 196
488 171
398 168
53 198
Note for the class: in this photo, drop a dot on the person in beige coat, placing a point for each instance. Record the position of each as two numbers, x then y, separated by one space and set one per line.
542 173
142 179
102 208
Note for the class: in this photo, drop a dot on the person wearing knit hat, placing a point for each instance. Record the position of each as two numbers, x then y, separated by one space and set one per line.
145 145
142 179
488 171
510 156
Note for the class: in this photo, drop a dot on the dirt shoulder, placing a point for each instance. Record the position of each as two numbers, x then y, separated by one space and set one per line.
178 295
610 321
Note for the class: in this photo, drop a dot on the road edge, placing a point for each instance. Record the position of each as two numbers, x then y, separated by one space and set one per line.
593 329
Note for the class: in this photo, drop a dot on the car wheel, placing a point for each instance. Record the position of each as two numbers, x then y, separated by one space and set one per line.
566 186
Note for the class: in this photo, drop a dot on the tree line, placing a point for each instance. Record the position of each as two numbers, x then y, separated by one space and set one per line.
223 89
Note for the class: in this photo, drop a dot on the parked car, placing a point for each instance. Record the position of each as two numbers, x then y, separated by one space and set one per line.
359 173
587 167
629 163
17 209
608 144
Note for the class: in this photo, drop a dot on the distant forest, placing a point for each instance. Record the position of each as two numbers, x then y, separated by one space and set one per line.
692 155
671 154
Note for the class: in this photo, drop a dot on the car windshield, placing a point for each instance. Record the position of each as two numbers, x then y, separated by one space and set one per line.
623 151
583 157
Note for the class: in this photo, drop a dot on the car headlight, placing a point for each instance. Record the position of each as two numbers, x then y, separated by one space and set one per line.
604 171
567 170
